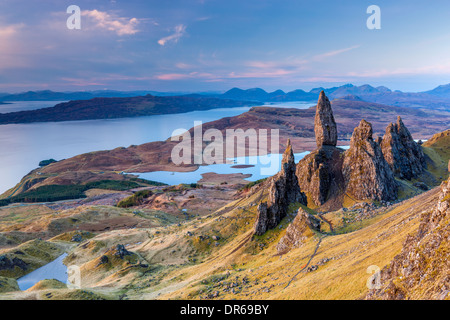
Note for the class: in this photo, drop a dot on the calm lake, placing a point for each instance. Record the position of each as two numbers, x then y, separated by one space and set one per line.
22 146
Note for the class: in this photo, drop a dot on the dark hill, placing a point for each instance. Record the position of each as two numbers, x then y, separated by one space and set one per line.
110 108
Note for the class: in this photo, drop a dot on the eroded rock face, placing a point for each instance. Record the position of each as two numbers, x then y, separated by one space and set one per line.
324 124
402 153
366 173
422 269
262 220
283 191
298 231
319 173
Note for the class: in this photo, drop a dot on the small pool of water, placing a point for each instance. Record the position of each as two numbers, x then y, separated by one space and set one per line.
259 167
53 270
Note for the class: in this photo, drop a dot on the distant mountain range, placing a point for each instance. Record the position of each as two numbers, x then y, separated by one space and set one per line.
438 98
442 91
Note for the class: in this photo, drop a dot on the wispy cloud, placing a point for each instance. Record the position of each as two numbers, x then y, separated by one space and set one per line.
334 52
181 76
180 30
261 74
121 26
182 65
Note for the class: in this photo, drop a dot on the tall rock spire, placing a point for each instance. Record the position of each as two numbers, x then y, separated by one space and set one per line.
283 190
288 155
319 173
324 124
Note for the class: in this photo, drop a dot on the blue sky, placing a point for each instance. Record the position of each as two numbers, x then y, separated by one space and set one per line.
212 45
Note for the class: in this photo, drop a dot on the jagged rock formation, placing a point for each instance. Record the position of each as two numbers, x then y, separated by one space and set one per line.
324 124
319 173
283 190
422 269
366 173
366 170
298 231
402 153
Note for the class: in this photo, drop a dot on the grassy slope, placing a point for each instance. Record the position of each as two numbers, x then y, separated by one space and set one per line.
344 277
174 274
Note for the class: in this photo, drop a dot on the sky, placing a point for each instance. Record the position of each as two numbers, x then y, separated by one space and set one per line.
212 45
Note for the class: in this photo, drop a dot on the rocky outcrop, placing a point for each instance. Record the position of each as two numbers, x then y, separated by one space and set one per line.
319 173
262 219
121 251
402 153
366 173
324 124
283 190
362 172
298 231
422 269
7 263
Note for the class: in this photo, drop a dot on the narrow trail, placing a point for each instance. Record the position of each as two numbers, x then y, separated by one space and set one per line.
326 221
307 264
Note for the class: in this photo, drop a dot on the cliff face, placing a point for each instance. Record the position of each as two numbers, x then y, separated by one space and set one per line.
298 231
324 124
366 173
402 153
283 191
422 269
319 173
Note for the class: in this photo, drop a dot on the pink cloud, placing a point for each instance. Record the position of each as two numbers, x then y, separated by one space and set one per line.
261 74
104 20
181 76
